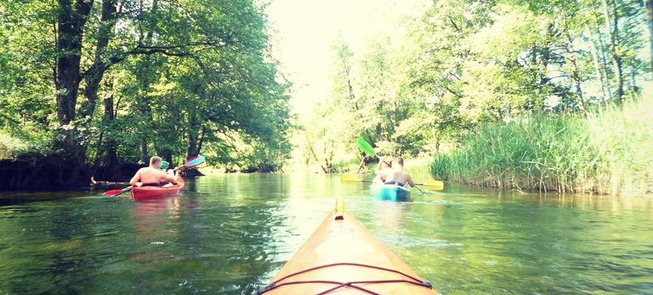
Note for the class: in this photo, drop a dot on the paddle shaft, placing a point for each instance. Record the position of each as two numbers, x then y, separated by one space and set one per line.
122 191
416 185
363 180
384 161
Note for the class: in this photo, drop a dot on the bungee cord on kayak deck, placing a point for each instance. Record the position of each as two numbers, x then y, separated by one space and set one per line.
413 280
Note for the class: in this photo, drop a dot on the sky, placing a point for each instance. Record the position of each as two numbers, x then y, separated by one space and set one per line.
304 31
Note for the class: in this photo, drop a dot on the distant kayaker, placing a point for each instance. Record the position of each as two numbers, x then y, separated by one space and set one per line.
399 176
383 169
153 175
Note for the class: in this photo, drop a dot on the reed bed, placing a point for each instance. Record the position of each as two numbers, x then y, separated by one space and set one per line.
607 152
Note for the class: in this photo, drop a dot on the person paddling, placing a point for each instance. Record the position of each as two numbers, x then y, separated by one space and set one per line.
153 175
399 176
383 169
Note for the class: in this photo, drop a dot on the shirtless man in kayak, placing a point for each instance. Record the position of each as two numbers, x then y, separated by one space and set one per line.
399 176
153 175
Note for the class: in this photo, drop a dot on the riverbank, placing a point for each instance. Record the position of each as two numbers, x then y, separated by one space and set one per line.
606 152
42 173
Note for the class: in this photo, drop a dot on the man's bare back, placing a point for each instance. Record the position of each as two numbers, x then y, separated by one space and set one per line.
399 176
152 175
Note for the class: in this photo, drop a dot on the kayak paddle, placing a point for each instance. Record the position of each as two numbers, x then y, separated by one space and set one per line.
434 185
194 162
365 147
191 163
352 179
368 150
116 192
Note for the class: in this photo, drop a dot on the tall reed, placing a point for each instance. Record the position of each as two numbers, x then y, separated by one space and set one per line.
608 152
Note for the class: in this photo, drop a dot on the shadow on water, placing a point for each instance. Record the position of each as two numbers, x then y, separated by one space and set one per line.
229 234
15 198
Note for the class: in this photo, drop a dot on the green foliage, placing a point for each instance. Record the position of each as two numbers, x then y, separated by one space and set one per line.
174 76
623 137
455 73
607 152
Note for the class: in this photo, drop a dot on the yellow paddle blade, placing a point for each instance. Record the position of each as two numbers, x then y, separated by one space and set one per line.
434 185
350 179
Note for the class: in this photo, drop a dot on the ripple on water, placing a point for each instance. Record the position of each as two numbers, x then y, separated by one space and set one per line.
408 242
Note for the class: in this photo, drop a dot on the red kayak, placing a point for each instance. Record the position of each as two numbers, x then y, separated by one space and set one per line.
156 192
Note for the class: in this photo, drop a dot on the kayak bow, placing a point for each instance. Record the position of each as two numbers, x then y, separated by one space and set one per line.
342 256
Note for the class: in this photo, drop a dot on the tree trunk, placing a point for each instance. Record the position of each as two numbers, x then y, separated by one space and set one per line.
604 63
612 25
616 55
310 147
144 153
352 97
195 143
575 75
192 144
649 18
111 160
595 58
166 154
71 19
193 137
96 161
145 112
202 137
602 50
98 68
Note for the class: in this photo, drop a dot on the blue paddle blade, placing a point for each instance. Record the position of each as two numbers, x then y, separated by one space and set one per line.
195 161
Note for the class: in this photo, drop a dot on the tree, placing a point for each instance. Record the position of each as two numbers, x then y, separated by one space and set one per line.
462 64
169 77
649 19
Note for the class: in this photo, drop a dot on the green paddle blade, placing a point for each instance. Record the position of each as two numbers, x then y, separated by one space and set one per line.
164 165
365 147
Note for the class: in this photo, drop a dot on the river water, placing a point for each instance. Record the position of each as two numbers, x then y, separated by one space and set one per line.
229 234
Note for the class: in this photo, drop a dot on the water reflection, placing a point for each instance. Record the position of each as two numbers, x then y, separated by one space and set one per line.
550 244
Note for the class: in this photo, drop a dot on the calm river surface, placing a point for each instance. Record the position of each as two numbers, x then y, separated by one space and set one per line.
229 234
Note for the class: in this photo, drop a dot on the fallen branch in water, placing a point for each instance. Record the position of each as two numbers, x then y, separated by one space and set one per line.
106 183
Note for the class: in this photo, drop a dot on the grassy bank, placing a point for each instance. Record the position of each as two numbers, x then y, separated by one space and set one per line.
607 152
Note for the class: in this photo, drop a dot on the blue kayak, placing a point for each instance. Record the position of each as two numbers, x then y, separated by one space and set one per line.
390 192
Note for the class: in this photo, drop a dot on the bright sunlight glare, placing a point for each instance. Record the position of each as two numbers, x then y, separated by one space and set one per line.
304 32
